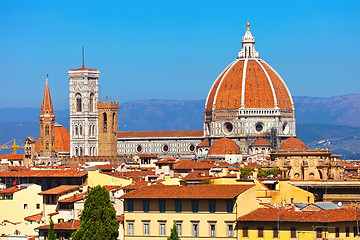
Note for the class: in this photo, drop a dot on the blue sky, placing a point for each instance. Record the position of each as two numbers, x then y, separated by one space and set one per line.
173 49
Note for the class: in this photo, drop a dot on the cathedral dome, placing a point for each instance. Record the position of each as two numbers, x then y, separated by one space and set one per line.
293 143
62 140
249 82
224 146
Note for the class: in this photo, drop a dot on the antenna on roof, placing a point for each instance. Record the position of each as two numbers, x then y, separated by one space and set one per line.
83 56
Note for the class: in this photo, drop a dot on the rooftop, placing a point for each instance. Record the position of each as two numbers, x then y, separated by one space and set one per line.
188 192
60 190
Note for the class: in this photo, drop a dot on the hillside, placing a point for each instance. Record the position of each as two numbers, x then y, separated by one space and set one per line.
321 122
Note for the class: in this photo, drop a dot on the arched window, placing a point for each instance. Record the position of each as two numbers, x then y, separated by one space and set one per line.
91 102
81 151
81 133
78 102
76 152
90 132
76 130
47 130
93 129
105 121
47 145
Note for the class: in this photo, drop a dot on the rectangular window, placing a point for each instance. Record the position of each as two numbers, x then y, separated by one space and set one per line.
162 229
319 233
131 229
230 230
162 206
212 230
275 232
260 232
347 232
25 206
245 231
195 229
195 206
229 206
178 206
38 206
293 232
130 206
212 206
337 232
146 205
146 229
178 226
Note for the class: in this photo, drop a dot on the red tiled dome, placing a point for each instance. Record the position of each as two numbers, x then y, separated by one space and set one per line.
260 142
250 83
224 146
62 140
293 143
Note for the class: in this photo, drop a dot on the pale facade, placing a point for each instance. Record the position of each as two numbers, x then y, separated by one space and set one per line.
83 98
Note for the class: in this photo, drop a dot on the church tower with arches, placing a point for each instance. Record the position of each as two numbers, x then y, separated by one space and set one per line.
83 98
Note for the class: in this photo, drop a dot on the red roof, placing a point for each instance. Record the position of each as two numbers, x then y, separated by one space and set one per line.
293 143
135 175
190 165
60 190
204 143
36 217
44 173
260 142
107 167
224 146
12 156
62 140
185 192
12 190
70 225
290 215
120 218
83 68
73 198
260 81
184 133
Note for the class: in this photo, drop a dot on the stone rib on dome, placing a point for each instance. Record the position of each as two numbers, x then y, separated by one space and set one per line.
224 146
263 88
293 143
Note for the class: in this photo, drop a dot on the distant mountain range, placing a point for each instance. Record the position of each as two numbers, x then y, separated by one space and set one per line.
332 122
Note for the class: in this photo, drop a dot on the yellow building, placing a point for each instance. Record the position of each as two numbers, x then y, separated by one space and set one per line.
16 204
201 211
281 223
96 178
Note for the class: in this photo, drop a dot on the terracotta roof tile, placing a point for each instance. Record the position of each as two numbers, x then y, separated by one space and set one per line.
204 143
192 165
186 192
62 140
260 142
73 198
44 173
224 146
290 215
107 167
12 157
83 68
120 218
12 190
70 225
293 143
36 217
185 133
146 155
60 190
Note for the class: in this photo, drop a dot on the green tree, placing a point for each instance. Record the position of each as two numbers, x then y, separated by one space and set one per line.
98 219
174 234
245 172
51 234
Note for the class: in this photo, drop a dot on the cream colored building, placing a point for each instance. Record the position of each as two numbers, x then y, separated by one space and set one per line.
16 204
201 211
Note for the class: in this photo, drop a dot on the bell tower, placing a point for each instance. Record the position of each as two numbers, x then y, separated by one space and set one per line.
108 122
47 125
83 97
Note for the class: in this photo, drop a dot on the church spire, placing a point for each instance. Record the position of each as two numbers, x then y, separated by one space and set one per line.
248 45
47 106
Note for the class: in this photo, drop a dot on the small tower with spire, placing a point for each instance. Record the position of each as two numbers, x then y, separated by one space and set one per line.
47 125
248 45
